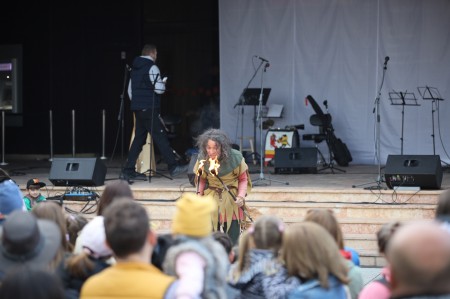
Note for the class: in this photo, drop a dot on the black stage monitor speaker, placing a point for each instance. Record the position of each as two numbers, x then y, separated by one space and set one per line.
422 171
77 172
296 160
190 171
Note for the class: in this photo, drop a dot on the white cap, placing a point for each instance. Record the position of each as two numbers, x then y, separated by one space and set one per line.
93 239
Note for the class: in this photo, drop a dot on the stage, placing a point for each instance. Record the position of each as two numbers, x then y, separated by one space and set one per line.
360 211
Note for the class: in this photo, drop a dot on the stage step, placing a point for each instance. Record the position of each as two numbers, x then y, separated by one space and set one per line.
370 258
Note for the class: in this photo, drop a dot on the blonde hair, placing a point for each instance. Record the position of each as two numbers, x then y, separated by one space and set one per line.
310 252
326 219
266 233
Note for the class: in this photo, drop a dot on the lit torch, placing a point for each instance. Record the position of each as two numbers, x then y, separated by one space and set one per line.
201 165
214 166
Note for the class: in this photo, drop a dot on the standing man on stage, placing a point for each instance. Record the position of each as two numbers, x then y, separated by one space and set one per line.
145 89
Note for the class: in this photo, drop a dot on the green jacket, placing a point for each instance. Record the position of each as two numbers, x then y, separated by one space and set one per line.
29 202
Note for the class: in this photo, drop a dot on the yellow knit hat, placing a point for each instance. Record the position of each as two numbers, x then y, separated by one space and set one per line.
193 215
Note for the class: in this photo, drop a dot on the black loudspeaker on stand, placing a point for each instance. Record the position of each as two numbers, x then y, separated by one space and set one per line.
77 172
424 171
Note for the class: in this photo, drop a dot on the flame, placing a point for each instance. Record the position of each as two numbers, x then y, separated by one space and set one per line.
201 165
214 166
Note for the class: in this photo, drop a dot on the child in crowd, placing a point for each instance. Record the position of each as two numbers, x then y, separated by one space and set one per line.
380 288
74 224
34 195
328 220
258 249
92 260
196 259
310 253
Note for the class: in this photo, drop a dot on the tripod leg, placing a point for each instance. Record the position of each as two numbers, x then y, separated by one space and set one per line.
322 157
330 164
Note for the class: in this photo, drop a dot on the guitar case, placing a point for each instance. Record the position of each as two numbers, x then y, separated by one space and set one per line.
340 151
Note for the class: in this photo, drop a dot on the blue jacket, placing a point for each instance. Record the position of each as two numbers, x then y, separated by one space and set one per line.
313 289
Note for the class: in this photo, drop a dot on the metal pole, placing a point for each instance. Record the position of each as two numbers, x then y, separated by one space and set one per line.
73 133
103 157
51 134
3 139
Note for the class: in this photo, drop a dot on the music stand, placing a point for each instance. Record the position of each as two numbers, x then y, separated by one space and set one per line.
403 99
431 94
250 97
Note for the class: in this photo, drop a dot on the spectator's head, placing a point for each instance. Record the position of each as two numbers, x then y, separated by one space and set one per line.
34 188
227 244
93 241
116 190
443 206
193 216
310 252
419 255
74 224
52 211
27 240
35 184
327 220
127 229
385 234
10 196
265 233
25 282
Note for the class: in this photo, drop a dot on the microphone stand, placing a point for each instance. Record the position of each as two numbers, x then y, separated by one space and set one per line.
241 102
120 117
261 156
122 110
376 110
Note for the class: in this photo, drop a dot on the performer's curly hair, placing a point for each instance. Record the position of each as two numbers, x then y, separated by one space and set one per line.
218 136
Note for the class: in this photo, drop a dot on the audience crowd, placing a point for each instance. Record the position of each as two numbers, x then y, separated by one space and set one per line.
47 253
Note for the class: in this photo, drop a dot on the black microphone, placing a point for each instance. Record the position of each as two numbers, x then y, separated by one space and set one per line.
266 66
263 59
128 67
386 59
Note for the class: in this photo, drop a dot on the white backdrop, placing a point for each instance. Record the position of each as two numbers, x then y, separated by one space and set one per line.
335 51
